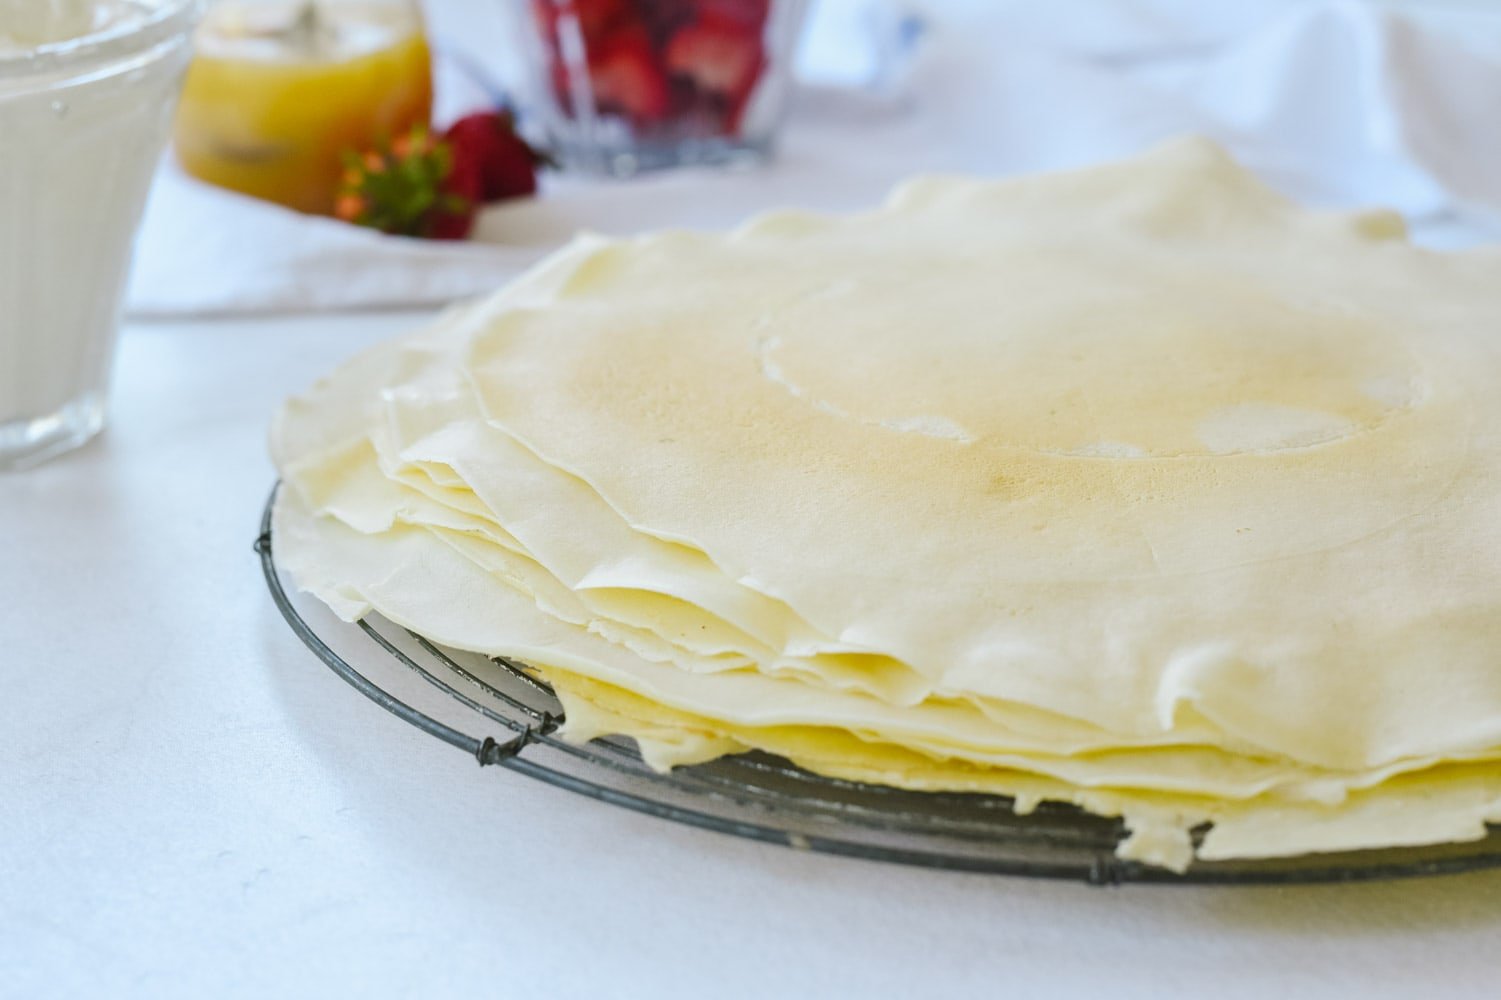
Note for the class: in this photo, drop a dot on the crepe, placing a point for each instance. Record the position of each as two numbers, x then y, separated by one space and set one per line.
1137 487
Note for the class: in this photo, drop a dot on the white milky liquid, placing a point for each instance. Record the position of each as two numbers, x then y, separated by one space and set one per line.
79 140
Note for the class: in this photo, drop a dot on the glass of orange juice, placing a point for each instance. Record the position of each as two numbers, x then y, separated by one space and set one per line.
279 89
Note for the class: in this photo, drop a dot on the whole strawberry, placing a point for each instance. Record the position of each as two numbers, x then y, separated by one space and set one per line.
507 166
413 186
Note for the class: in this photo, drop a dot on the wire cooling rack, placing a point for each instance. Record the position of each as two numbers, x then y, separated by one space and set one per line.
448 693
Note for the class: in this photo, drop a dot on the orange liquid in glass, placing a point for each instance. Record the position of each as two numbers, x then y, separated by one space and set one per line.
278 91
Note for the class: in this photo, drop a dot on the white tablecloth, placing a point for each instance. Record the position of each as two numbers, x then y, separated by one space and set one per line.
1340 102
191 805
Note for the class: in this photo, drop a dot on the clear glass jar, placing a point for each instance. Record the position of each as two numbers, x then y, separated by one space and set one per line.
630 85
87 89
279 90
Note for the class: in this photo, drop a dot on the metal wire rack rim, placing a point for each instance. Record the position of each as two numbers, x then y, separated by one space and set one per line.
775 816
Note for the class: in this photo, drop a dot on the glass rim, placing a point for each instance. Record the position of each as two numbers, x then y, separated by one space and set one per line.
165 20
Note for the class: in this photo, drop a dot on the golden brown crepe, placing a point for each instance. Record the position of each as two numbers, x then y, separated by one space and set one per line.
1138 487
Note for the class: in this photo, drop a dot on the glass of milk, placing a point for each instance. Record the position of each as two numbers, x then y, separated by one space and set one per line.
87 89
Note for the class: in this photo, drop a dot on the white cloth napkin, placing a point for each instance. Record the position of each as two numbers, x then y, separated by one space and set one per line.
1341 103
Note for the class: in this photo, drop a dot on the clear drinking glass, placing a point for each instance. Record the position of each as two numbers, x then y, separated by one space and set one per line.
87 89
629 85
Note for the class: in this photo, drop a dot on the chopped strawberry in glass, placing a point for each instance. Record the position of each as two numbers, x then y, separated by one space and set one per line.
634 84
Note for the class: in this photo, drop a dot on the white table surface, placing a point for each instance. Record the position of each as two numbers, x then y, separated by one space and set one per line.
191 805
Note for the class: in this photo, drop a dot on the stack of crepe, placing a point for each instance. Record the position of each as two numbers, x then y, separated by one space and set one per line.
1136 487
